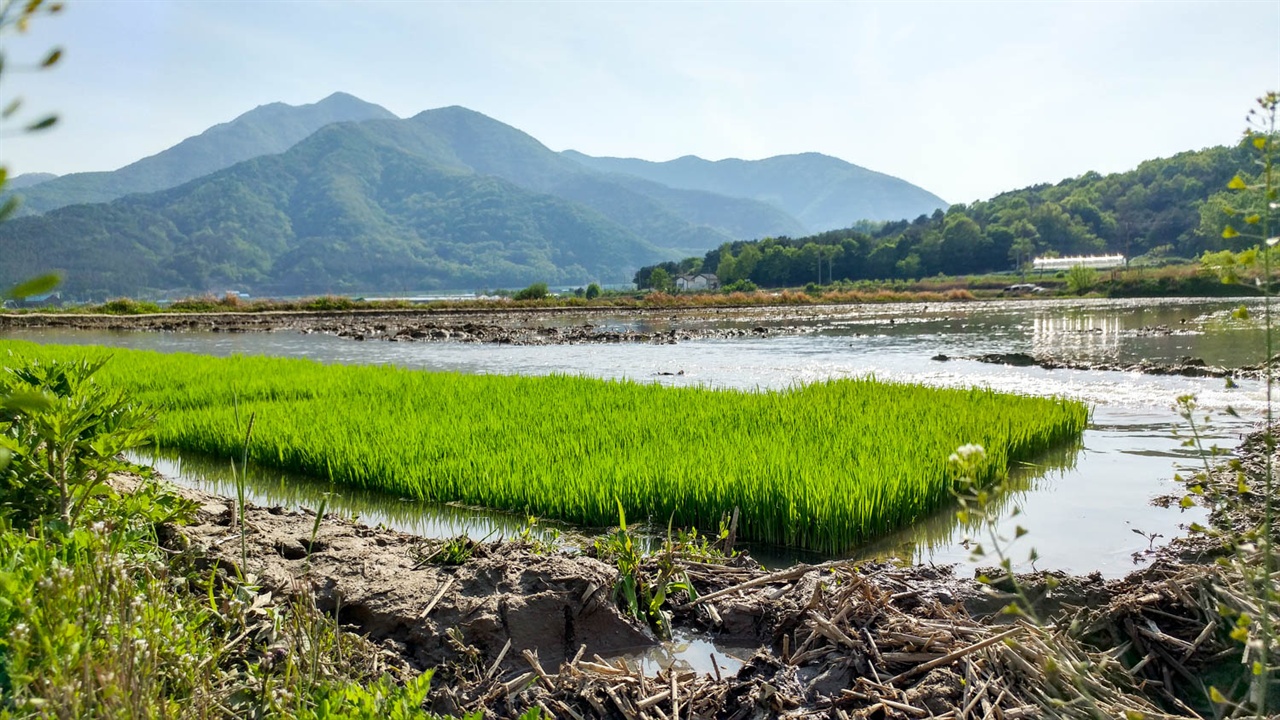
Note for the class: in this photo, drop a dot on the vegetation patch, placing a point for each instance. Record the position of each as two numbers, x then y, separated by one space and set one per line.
821 466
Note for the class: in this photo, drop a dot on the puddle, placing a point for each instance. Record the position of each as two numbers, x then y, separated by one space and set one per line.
690 653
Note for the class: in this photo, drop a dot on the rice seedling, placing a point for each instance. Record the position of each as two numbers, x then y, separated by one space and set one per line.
821 466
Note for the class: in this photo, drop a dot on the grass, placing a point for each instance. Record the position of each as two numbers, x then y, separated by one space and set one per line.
98 620
101 622
823 466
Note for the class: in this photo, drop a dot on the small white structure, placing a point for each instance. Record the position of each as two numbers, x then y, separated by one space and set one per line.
702 281
1098 262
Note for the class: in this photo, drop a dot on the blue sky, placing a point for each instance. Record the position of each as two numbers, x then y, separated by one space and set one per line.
964 99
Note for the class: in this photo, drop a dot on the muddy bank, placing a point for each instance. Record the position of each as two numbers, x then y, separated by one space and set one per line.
473 332
511 327
388 585
1186 366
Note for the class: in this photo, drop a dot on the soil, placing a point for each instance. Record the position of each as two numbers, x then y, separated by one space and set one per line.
564 326
386 584
1186 366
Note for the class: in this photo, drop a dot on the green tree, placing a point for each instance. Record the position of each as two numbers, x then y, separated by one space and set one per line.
536 291
909 266
745 264
1020 251
593 291
1023 247
964 246
726 269
1215 215
661 281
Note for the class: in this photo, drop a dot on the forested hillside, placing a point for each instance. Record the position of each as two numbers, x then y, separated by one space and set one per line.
346 210
1163 208
665 217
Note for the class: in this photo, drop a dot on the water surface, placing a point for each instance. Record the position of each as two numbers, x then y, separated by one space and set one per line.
1082 505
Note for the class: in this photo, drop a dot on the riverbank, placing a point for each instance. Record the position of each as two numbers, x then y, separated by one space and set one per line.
520 625
532 325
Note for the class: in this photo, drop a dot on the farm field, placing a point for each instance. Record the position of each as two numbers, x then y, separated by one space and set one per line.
821 466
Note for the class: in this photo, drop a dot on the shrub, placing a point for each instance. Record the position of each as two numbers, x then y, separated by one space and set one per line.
1081 279
127 306
536 291
61 434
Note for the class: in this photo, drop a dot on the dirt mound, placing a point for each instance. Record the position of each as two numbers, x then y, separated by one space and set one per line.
385 584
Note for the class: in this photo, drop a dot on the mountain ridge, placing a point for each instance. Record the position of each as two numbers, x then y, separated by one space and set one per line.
448 197
265 130
822 191
342 211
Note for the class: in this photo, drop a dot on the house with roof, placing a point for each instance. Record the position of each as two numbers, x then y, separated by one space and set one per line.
701 281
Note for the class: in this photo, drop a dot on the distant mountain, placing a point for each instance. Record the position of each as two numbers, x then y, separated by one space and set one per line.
823 192
664 216
265 130
27 180
346 210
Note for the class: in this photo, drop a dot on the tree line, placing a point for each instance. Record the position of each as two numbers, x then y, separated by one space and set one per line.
1163 210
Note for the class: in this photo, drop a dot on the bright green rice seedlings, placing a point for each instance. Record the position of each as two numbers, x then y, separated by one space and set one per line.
822 466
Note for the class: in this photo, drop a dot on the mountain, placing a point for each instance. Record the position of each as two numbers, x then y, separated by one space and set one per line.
822 192
345 210
690 221
447 199
265 130
664 216
28 179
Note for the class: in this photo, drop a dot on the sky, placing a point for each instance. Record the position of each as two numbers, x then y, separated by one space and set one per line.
964 99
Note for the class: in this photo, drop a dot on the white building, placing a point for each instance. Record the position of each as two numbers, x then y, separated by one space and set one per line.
701 281
1098 262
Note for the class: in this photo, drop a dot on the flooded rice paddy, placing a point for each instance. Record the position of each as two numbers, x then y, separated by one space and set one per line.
1087 507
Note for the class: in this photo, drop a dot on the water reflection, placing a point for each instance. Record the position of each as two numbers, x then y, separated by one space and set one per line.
270 488
943 528
1092 337
686 652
